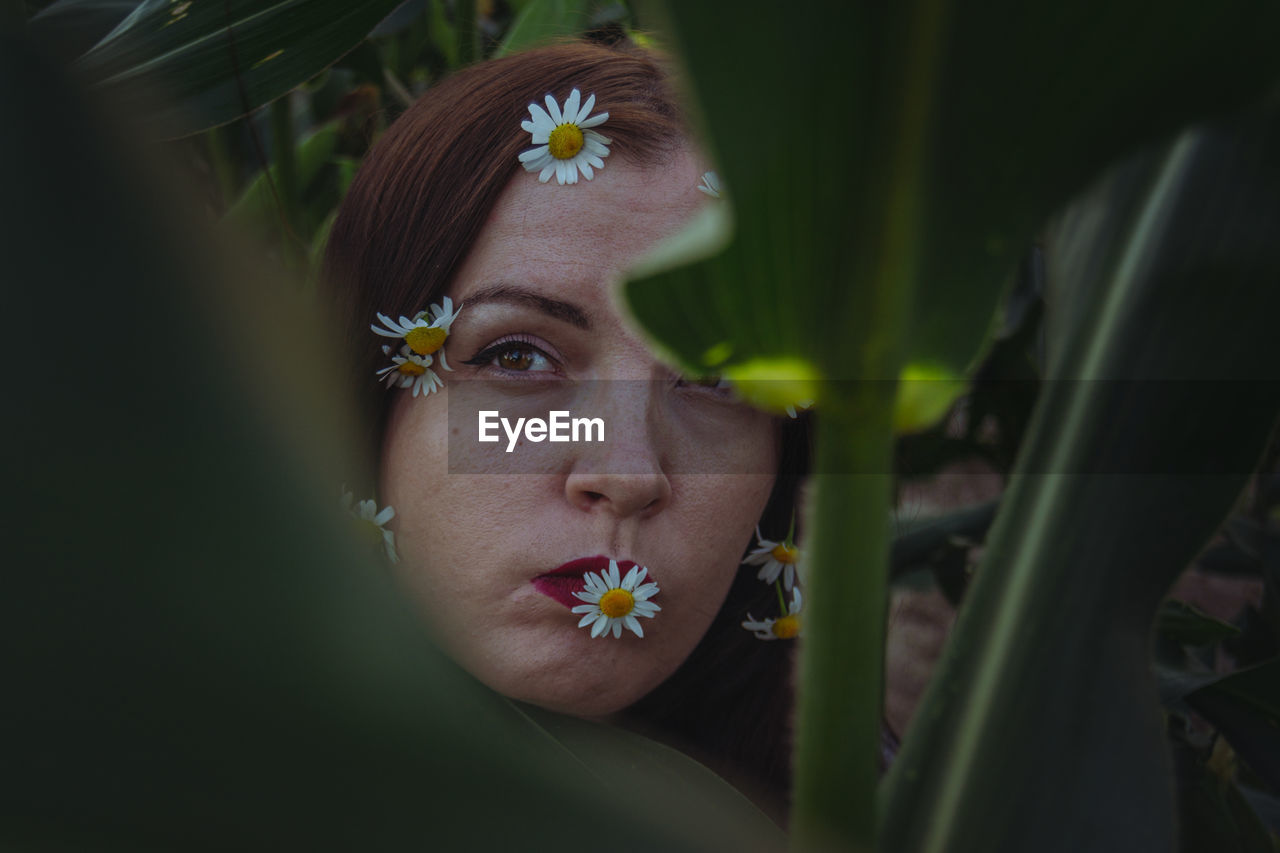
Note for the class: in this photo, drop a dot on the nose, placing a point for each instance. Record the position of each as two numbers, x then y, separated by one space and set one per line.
625 475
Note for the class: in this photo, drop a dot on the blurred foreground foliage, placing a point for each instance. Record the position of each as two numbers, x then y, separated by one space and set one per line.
1072 210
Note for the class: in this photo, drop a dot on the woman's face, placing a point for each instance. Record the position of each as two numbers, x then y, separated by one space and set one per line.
677 486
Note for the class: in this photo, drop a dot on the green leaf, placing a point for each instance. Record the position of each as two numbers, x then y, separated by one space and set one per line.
67 28
1213 814
885 167
541 21
212 62
1245 706
1138 447
256 207
196 654
1182 623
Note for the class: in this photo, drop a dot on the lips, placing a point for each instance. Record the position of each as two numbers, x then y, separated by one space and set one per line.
563 581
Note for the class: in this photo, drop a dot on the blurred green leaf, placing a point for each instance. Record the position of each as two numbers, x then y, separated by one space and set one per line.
211 62
197 657
256 207
540 21
885 169
1138 447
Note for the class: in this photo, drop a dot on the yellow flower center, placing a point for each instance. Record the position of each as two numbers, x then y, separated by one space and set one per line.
785 554
425 340
368 531
787 627
565 141
411 368
616 603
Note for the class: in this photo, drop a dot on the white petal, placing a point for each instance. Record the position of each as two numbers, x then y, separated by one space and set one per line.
547 171
647 591
789 576
601 624
617 629
587 620
571 107
533 154
596 136
584 608
629 582
586 110
540 117
585 167
553 109
631 623
383 517
594 121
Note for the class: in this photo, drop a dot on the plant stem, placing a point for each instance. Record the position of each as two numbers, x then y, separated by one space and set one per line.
224 167
286 169
842 657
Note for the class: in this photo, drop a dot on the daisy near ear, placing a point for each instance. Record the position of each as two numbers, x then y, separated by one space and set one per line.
565 143
370 523
612 604
408 370
784 628
426 332
423 338
775 558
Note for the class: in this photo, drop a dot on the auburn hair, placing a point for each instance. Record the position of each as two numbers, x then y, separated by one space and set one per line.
413 213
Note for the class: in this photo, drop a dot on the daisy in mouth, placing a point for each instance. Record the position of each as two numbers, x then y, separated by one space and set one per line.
613 603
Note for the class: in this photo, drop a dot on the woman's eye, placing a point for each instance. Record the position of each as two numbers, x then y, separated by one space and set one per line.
522 358
514 356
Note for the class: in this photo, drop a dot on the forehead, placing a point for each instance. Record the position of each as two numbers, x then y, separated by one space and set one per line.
574 239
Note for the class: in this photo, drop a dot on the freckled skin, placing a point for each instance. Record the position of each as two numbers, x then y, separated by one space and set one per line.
472 542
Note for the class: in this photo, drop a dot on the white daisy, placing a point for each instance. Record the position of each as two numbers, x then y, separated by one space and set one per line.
785 628
411 371
565 143
371 523
710 184
775 558
426 332
613 603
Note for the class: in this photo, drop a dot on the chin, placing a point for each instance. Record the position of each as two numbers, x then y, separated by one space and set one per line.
578 690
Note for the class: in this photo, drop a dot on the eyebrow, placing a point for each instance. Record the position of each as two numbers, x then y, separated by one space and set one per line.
515 294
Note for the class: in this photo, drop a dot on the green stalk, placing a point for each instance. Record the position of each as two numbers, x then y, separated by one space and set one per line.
224 167
286 180
841 704
468 33
842 657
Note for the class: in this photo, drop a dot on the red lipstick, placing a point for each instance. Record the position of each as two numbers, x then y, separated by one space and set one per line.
563 581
